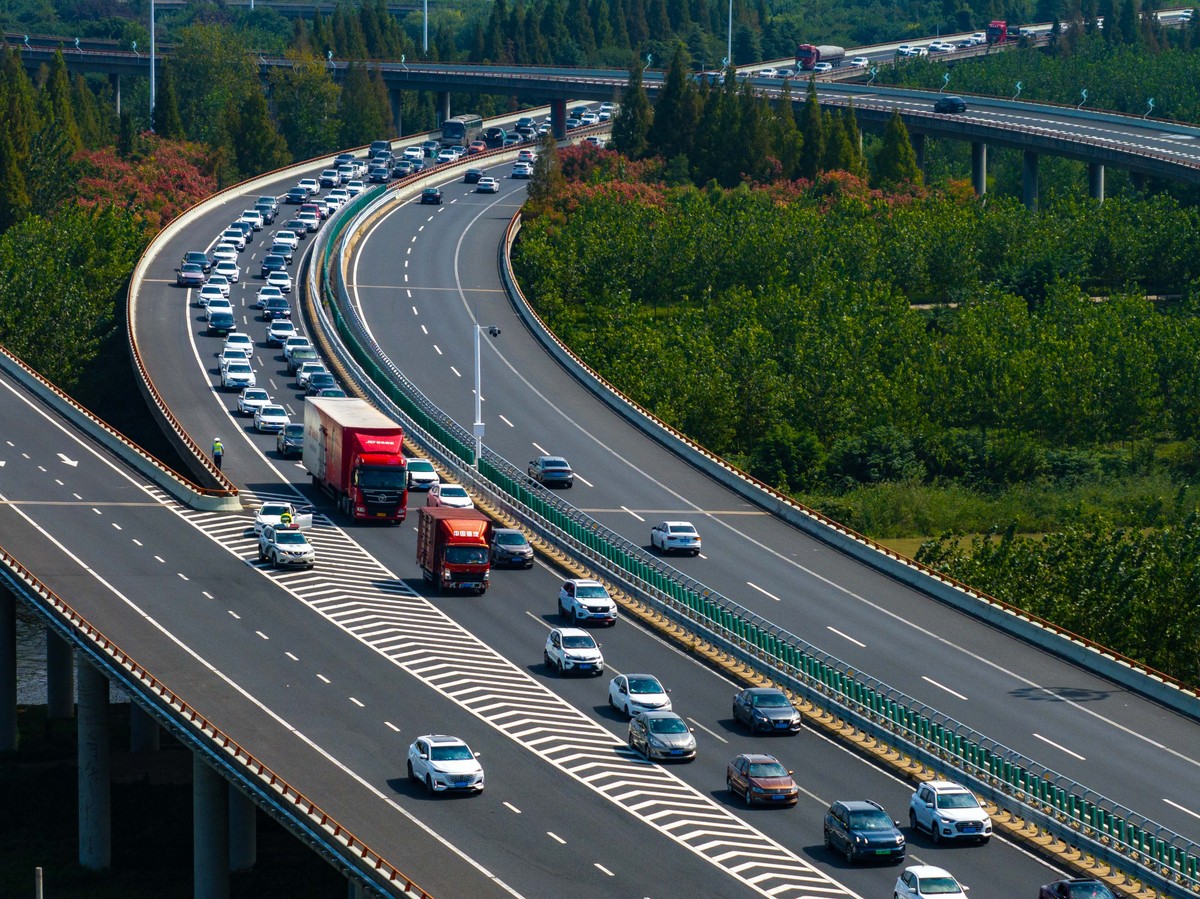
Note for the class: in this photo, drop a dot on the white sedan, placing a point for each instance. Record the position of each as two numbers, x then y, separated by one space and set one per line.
220 282
272 514
241 342
919 881
414 154
271 418
442 763
633 693
237 376
229 269
306 371
288 237
279 331
487 185
267 292
859 62
280 279
675 536
251 400
210 292
453 495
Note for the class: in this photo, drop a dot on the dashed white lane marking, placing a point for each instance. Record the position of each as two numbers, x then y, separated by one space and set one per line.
261 634
845 636
512 808
117 526
954 693
633 513
357 702
439 350
754 586
234 614
457 373
1186 811
392 726
711 733
1061 748
161 560
291 656
182 576
601 867
137 542
507 422
324 679
206 594
552 835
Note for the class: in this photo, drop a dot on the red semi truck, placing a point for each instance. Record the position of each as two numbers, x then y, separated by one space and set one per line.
808 55
452 548
353 451
997 32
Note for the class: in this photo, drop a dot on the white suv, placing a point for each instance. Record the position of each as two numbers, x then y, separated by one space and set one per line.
949 812
285 546
571 650
444 763
583 600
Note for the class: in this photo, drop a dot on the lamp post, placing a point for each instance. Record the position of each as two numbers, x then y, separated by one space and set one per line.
729 49
493 331
151 65
425 32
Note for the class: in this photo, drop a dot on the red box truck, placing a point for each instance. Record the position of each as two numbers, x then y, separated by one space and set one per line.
354 452
452 548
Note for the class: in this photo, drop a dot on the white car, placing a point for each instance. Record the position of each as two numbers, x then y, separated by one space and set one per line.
241 342
267 292
355 187
761 73
215 305
949 812
234 236
251 400
229 269
940 47
330 178
487 185
210 292
280 279
421 474
527 155
237 376
414 154
675 536
607 110
522 170
590 118
920 881
288 237
311 220
271 418
285 545
231 354
442 763
306 371
311 185
295 342
573 650
279 331
253 217
220 282
859 62
633 693
821 68
225 253
446 155
453 495
584 600
272 514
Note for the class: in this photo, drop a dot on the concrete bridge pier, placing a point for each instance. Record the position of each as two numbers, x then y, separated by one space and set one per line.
60 677
95 790
443 106
558 119
8 670
918 145
115 80
210 831
143 730
979 167
355 890
1029 180
1096 181
243 831
395 97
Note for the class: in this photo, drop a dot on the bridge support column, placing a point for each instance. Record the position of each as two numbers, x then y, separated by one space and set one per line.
95 791
443 106
243 831
210 831
143 730
395 97
355 890
8 670
1139 181
60 677
979 167
115 80
558 119
1096 181
1029 180
918 145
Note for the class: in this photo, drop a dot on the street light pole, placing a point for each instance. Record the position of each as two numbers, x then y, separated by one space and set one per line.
729 49
478 429
425 31
151 65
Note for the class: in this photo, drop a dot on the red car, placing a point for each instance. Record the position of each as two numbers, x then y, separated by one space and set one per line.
476 146
760 778
318 209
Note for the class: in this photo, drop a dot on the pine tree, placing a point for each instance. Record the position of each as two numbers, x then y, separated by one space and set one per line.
167 121
257 145
633 118
19 105
364 113
126 135
87 114
812 151
835 142
787 136
896 161
14 196
57 101
856 163
547 178
676 112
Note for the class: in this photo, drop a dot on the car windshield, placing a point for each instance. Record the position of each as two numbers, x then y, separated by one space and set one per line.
466 555
290 538
239 368
383 478
644 685
578 641
667 726
272 411
254 393
295 430
1089 891
596 592
768 769
420 465
273 509
454 491
450 753
938 884
508 538
957 800
770 700
870 820
682 529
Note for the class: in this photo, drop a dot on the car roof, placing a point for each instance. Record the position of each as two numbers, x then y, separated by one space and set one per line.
762 691
946 786
584 582
443 739
573 632
860 805
677 524
658 713
757 757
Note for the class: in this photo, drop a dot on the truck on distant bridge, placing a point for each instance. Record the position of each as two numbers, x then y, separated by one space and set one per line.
808 55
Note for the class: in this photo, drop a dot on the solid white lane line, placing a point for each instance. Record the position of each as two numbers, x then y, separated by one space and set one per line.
1059 746
955 693
754 586
846 637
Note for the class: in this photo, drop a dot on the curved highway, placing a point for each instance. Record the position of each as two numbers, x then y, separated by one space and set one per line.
425 275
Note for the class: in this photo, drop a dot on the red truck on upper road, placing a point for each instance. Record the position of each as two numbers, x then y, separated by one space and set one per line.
453 548
354 452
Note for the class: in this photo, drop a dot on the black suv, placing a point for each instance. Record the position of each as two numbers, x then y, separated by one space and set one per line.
862 831
431 195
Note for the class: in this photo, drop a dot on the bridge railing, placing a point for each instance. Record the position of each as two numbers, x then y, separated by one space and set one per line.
1145 851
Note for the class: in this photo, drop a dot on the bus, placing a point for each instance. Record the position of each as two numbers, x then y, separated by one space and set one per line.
460 130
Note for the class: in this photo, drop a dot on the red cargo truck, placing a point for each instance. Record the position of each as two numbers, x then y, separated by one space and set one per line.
997 32
353 451
452 548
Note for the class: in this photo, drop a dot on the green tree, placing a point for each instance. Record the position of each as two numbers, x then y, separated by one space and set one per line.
14 198
812 133
363 108
547 180
896 161
257 146
306 104
167 121
676 112
213 71
56 98
634 117
87 114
